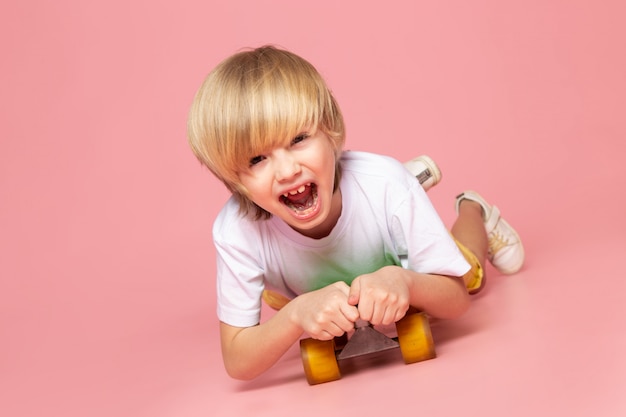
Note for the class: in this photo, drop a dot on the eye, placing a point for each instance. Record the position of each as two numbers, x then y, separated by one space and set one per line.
255 160
299 138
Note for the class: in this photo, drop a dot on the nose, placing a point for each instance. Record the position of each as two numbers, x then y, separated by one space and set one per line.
286 166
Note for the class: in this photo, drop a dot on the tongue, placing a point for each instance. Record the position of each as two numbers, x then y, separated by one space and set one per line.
302 200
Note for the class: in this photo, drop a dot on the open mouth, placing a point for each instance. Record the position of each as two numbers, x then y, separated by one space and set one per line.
301 201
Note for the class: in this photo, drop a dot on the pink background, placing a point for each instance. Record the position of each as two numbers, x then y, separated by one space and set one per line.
106 262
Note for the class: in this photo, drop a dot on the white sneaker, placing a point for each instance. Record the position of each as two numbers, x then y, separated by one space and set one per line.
506 252
425 170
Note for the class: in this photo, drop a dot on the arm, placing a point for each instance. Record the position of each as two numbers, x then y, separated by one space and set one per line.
323 314
384 296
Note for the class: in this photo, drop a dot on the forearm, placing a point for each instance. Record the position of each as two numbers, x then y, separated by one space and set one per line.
248 352
322 314
438 295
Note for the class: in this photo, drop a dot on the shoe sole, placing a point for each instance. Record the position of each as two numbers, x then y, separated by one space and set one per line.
432 171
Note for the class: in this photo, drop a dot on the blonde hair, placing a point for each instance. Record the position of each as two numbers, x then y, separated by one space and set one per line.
253 101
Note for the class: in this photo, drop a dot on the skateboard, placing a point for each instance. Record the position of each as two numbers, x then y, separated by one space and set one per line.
320 358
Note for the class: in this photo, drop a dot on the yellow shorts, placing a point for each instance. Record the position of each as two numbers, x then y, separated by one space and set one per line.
474 277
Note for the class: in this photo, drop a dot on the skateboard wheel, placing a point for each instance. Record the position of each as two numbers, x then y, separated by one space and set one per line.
319 360
415 338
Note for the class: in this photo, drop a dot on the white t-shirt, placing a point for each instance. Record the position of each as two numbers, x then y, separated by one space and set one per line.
386 219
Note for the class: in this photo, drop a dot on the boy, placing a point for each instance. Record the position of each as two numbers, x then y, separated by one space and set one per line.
341 235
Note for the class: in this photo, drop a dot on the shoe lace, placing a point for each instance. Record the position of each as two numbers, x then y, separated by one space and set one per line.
496 242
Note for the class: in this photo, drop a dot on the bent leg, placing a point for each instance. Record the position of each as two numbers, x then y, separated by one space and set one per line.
469 231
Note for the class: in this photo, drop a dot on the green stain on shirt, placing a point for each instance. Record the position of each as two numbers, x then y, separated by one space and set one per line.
334 272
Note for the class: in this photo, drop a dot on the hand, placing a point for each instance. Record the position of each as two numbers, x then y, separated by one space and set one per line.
382 296
325 313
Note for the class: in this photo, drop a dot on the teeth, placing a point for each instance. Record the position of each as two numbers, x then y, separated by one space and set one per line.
298 191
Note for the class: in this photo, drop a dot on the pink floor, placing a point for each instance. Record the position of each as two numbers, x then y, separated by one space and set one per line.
106 263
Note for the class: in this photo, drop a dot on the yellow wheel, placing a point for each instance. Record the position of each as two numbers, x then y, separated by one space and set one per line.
415 338
319 360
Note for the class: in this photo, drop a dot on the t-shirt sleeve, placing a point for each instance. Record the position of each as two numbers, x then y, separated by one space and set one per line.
239 277
422 237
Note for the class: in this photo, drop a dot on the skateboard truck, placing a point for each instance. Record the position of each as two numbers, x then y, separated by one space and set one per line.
366 340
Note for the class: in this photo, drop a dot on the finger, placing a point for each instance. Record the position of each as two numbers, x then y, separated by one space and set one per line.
377 315
366 310
355 292
343 287
351 314
390 316
340 326
400 313
328 332
324 335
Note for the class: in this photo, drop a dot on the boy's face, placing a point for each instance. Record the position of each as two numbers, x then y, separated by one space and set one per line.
295 182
